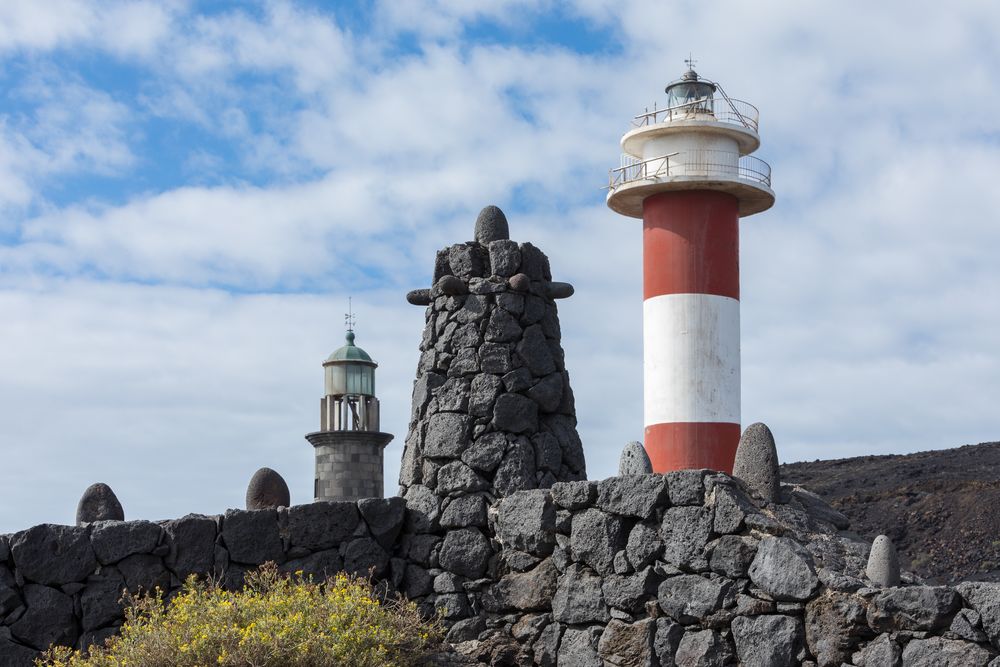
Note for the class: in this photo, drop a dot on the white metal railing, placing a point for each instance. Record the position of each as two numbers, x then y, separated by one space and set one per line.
703 163
722 110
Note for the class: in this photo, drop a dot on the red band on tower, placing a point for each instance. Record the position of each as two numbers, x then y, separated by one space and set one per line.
668 448
691 243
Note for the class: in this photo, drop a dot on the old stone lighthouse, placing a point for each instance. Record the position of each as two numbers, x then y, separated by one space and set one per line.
349 444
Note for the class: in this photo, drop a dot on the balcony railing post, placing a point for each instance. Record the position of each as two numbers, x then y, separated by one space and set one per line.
691 162
736 112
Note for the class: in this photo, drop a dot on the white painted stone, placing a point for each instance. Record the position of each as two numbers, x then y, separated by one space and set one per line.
883 563
634 460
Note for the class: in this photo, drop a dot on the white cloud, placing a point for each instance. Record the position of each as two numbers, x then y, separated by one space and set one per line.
66 128
126 28
18 157
237 236
445 19
77 127
135 28
27 24
304 43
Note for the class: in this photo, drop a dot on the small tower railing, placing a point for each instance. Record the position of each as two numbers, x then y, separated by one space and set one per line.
350 412
721 110
694 163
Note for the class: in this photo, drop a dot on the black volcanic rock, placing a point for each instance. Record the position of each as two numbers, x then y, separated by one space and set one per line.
99 503
930 504
53 555
491 225
267 489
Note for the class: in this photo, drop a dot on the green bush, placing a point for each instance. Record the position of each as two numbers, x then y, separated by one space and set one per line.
275 620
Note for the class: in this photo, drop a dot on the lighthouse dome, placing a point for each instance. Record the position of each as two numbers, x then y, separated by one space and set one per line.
349 352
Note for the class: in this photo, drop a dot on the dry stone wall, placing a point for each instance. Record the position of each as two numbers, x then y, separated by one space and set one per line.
62 584
691 568
688 568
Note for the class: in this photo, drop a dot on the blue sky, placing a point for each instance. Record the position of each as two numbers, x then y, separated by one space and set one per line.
189 192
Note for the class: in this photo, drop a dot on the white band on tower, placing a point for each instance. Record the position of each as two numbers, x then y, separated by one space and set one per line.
691 352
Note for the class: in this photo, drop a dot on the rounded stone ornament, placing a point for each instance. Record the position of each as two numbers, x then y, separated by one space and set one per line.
452 286
98 503
419 297
757 462
491 225
519 282
634 460
267 489
883 563
557 290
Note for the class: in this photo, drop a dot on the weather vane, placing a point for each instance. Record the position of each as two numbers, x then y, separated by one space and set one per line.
690 61
349 319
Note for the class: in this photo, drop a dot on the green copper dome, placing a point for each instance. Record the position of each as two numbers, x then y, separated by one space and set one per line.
350 352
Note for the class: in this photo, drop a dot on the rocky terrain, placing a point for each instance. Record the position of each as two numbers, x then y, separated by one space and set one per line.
939 507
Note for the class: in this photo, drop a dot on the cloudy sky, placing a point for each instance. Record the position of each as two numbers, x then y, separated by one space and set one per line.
190 191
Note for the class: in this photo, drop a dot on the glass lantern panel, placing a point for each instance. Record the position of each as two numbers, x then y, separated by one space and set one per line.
336 380
685 93
360 380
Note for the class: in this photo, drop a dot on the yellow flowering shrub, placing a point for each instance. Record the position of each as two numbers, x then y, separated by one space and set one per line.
275 621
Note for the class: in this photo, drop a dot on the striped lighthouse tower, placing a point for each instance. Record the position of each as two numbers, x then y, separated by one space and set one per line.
688 173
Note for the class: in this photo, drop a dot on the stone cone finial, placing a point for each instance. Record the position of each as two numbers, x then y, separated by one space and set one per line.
460 269
757 462
98 503
883 563
634 460
267 489
491 225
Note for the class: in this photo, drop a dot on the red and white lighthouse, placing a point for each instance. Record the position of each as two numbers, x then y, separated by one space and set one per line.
688 173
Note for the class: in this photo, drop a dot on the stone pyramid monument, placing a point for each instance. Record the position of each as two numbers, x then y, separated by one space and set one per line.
493 411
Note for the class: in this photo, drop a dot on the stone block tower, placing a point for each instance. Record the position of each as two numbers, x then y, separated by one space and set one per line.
349 444
493 412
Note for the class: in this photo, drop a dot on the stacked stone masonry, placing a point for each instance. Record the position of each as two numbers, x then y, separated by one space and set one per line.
62 584
687 568
493 411
349 464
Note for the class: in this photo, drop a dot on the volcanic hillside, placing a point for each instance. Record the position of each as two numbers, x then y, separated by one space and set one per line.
941 508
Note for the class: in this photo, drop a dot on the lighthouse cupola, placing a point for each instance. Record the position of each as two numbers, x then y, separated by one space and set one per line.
688 173
690 93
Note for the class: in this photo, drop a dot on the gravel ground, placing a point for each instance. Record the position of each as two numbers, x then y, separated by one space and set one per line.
941 508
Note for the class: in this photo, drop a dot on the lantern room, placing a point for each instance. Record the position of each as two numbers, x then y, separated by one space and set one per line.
349 403
691 94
